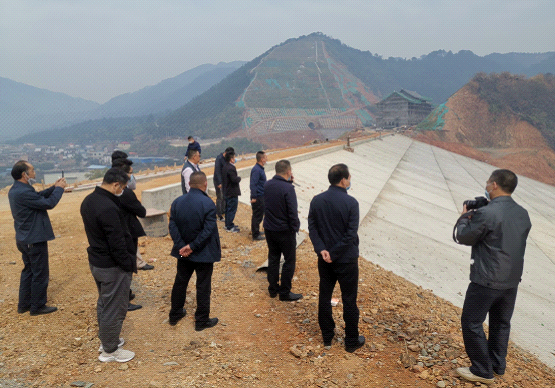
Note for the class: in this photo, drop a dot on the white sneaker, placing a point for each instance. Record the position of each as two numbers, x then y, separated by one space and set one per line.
466 374
121 342
120 355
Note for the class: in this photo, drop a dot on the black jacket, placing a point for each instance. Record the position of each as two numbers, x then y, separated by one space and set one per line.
218 165
29 211
333 224
230 181
190 165
110 243
193 223
280 201
497 233
132 208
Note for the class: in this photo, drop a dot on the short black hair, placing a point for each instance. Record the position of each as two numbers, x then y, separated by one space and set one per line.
190 137
19 168
337 172
283 166
191 152
229 149
197 179
124 164
114 175
117 154
260 155
506 179
229 156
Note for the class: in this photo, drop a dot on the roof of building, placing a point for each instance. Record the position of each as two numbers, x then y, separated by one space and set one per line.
410 96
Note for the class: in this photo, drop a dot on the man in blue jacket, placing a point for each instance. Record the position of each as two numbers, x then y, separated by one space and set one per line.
32 231
258 180
333 225
497 233
281 224
197 247
193 145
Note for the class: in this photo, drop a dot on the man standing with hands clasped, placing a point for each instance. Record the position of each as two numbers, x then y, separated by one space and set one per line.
196 245
333 225
281 224
32 231
497 233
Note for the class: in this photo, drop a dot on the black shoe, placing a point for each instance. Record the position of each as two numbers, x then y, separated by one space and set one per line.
173 320
206 325
146 267
290 297
23 310
133 307
221 219
131 296
361 342
327 343
44 310
258 238
273 294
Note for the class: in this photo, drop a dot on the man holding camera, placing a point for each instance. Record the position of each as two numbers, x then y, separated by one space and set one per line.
32 233
497 233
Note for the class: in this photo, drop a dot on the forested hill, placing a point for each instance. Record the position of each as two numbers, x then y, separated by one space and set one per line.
316 75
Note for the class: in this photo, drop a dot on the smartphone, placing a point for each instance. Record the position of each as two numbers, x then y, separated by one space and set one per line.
62 173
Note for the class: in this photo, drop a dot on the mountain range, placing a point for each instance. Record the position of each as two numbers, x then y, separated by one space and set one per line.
25 109
305 83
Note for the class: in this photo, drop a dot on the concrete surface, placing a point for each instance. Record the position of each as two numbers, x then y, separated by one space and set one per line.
410 195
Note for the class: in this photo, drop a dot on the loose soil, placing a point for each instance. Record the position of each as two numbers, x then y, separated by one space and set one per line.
259 342
504 141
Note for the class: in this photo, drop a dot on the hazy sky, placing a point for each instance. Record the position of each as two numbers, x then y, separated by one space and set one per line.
98 49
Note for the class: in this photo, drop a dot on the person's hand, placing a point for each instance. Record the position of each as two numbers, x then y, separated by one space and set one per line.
326 256
465 210
253 200
219 186
185 251
61 183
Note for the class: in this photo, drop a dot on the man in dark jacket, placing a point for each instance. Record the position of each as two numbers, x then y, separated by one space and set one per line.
197 247
193 145
231 191
218 165
333 224
281 224
32 231
258 180
497 233
111 260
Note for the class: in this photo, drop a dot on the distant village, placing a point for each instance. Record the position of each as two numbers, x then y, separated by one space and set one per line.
76 160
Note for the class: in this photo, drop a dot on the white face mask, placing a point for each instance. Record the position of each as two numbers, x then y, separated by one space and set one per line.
120 194
31 181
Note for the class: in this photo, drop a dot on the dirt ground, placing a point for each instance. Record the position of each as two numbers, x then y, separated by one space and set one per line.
259 342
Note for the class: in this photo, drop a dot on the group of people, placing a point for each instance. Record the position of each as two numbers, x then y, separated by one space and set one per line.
497 233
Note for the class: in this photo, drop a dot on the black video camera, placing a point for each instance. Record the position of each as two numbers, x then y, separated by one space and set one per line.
475 203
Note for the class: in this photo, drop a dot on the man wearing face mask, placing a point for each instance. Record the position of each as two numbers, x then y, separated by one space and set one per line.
258 179
497 233
32 231
281 224
112 261
333 225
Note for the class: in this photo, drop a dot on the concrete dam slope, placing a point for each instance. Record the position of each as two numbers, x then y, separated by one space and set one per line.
410 196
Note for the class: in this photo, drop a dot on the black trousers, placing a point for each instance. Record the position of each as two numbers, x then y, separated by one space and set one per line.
33 283
487 354
257 216
185 269
220 203
281 242
347 276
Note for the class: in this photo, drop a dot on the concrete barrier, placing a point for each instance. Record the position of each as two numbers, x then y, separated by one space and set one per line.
162 197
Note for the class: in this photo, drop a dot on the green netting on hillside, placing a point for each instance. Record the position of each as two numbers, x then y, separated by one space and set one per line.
435 120
364 117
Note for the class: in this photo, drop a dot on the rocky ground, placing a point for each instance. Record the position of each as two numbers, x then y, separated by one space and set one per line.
413 337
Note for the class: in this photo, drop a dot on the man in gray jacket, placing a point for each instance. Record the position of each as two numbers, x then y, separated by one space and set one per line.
497 233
